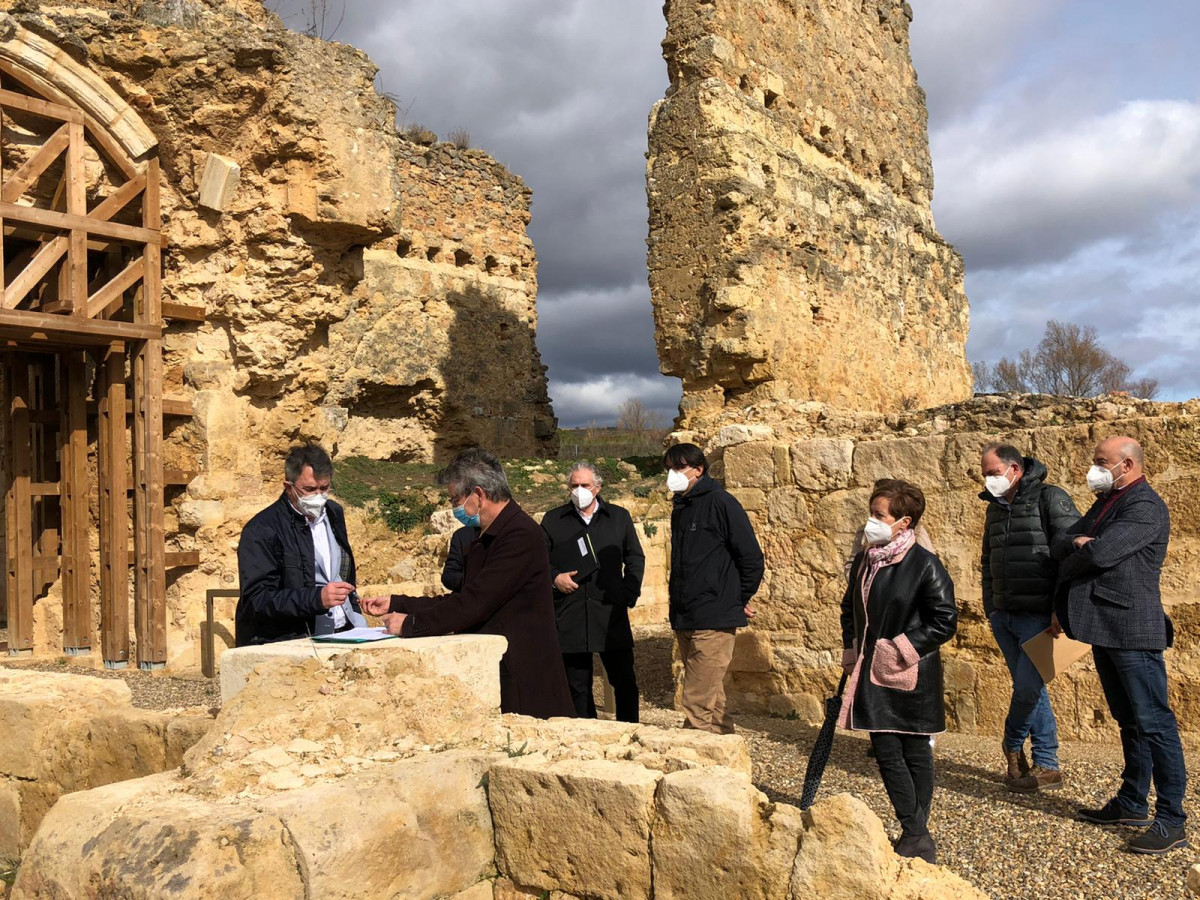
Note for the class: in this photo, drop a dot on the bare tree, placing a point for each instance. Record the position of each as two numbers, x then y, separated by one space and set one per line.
1068 362
322 18
635 416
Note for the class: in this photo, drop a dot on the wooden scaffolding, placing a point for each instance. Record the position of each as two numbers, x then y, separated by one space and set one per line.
81 327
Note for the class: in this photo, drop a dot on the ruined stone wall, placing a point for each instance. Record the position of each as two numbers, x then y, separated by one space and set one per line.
806 478
792 251
464 803
363 290
64 733
445 329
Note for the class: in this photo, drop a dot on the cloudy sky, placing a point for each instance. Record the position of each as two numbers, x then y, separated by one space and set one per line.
1066 150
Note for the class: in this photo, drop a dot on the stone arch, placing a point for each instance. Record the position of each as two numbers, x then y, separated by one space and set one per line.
49 70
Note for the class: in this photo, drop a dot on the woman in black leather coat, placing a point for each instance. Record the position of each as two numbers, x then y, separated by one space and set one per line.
892 640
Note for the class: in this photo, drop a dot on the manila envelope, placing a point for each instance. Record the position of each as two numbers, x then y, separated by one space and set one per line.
1053 655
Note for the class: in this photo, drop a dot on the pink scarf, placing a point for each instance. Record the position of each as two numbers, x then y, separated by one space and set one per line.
877 558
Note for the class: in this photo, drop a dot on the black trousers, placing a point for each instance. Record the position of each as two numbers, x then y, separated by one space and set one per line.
906 764
618 665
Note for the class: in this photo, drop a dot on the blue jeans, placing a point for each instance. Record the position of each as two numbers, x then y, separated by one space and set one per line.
1135 686
1029 711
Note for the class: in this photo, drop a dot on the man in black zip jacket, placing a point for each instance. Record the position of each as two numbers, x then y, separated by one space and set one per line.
294 560
1024 515
592 610
716 567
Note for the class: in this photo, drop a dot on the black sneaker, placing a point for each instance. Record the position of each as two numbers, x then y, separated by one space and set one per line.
1159 838
1112 813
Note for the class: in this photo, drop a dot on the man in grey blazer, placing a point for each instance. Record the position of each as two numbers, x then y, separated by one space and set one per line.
1108 596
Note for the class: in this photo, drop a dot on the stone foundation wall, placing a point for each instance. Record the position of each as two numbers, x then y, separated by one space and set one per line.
806 481
464 803
66 733
792 250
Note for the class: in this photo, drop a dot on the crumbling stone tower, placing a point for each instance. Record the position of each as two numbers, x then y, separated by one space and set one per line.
792 251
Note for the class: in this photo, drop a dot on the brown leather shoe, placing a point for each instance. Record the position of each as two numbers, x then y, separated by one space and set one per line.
1038 779
1017 763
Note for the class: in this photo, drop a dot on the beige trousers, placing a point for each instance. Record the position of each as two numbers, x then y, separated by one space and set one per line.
706 655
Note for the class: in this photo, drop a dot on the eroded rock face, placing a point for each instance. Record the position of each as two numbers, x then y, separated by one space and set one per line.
66 733
792 251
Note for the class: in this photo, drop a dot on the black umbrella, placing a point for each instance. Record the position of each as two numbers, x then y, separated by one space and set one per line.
820 751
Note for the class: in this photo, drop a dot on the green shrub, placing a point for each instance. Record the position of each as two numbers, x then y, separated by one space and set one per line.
647 466
609 471
650 529
642 490
404 511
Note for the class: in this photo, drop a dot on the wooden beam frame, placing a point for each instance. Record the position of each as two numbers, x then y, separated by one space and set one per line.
72 319
45 259
111 297
31 170
19 511
31 327
114 512
76 556
57 221
150 604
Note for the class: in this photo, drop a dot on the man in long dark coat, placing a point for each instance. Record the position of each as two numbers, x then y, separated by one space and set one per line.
592 608
506 590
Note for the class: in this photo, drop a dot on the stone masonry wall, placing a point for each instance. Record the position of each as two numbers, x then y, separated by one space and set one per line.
64 733
464 803
363 290
792 251
806 480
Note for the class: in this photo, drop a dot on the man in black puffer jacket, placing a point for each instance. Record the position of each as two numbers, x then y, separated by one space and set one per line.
1024 515
716 567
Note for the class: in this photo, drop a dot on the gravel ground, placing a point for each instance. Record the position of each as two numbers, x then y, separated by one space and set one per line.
1011 846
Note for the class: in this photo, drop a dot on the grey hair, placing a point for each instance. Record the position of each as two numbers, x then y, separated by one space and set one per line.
584 464
476 468
307 456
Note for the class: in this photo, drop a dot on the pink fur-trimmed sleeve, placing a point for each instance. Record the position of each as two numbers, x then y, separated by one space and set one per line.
891 666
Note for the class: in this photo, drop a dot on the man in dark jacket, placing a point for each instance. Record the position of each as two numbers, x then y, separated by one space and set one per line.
506 590
1110 566
294 560
1024 515
592 610
716 567
456 557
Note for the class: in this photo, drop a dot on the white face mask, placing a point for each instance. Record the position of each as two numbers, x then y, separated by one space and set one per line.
1100 479
312 505
582 497
676 481
876 532
997 485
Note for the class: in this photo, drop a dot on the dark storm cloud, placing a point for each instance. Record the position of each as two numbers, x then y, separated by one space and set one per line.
587 334
560 93
1065 138
1066 147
